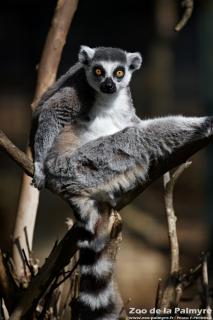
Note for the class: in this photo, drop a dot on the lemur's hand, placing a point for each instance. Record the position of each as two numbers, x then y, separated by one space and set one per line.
39 176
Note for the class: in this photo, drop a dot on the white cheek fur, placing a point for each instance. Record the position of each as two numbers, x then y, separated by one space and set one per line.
124 82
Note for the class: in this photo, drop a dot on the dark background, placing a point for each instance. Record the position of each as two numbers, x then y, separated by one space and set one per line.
176 78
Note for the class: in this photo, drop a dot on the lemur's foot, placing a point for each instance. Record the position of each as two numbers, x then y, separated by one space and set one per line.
38 180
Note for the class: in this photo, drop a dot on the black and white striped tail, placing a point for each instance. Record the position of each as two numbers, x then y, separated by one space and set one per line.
98 297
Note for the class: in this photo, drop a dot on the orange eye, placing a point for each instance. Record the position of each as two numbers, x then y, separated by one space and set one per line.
98 72
119 73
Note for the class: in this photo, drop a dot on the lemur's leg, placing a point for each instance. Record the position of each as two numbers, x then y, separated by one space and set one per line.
44 137
49 118
98 296
163 136
107 168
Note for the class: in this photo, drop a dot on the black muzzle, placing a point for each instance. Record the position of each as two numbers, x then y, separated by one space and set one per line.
108 86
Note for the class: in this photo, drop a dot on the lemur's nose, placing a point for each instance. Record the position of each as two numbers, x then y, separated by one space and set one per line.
108 86
109 83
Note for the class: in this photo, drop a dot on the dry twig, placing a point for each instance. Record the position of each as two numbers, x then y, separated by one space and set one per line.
188 6
205 285
59 257
169 184
173 289
8 288
158 294
16 154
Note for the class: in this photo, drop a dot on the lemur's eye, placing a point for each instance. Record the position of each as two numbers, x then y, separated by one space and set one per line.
119 73
98 72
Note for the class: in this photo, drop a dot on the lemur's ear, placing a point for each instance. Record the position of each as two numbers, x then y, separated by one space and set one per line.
86 54
134 60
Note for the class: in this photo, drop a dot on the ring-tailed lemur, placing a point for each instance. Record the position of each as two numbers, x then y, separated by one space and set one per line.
93 176
91 100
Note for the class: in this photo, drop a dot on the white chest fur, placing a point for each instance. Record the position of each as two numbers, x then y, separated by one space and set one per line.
110 114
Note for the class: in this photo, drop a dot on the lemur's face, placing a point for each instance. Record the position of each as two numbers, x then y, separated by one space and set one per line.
109 70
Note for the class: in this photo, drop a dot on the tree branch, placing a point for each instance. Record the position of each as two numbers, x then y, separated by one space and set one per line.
57 260
173 288
16 154
169 184
188 6
205 286
54 44
29 196
8 288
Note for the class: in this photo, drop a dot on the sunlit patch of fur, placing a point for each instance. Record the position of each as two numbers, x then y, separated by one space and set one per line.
124 182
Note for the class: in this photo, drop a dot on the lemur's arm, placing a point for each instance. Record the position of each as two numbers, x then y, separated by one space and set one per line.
48 120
